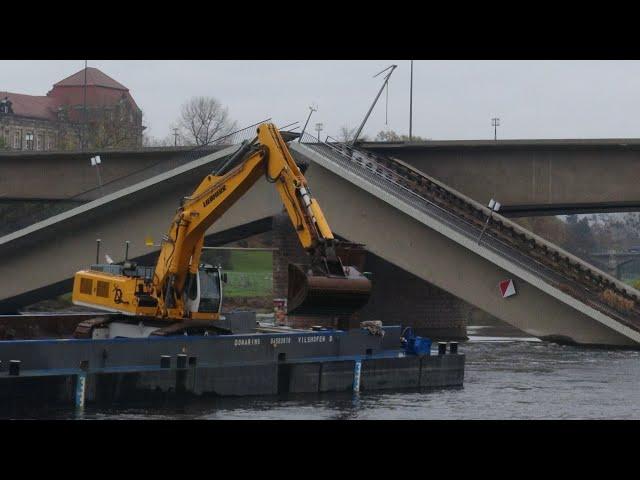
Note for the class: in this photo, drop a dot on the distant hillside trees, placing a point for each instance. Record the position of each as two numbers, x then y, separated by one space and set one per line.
582 235
580 239
550 228
167 141
575 234
346 134
617 232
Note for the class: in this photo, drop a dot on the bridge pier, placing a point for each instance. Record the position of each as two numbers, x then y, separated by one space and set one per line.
398 296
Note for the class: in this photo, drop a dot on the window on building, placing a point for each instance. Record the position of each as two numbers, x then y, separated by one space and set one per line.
51 142
17 140
28 140
39 141
5 105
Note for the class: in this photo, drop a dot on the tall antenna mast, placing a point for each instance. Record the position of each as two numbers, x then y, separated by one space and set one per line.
84 123
411 104
384 84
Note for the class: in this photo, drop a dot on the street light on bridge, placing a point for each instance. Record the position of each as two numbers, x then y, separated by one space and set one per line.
312 108
494 206
495 122
95 162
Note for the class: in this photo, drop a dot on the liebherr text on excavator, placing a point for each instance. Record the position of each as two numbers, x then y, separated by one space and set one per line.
181 291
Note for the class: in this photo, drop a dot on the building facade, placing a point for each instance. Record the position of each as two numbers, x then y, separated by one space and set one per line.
87 110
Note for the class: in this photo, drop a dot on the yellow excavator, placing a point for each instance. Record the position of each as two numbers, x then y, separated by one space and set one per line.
181 293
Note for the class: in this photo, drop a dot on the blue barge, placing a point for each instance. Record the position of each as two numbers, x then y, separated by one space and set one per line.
50 371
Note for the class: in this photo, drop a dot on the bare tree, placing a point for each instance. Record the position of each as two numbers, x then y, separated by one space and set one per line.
387 136
203 119
346 133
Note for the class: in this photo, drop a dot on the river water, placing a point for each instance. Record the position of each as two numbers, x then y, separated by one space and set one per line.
506 377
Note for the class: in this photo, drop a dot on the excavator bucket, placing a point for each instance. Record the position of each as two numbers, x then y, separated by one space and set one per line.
320 294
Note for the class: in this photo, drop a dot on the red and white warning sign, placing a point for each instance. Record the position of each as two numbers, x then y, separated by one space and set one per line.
507 288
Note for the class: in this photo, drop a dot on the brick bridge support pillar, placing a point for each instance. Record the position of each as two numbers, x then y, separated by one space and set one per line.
399 298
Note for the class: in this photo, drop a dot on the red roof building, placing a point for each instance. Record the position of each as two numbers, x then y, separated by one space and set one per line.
31 106
88 107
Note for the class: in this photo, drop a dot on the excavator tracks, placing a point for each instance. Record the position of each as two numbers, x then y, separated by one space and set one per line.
85 328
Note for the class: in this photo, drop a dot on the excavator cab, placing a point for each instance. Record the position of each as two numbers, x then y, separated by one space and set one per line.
203 292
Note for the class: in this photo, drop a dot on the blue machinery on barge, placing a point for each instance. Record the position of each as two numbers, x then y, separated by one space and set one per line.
115 370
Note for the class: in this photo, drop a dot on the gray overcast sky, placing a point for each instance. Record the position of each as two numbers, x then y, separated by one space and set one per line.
452 99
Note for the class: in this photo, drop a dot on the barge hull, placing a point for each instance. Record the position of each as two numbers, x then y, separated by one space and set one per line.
122 370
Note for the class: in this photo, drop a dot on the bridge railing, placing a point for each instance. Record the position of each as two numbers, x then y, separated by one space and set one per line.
238 136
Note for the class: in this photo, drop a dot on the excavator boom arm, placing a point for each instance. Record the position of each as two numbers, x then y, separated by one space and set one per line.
303 210
180 253
181 289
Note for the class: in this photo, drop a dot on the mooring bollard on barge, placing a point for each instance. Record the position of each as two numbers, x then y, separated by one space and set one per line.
294 361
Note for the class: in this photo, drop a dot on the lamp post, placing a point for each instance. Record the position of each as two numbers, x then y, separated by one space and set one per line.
312 108
319 128
495 122
95 162
494 207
